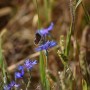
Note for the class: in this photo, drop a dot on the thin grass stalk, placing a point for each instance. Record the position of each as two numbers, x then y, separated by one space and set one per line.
47 13
72 27
87 16
24 83
47 81
71 31
41 58
2 66
86 13
15 81
29 81
37 9
42 70
46 9
72 12
46 54
68 41
50 9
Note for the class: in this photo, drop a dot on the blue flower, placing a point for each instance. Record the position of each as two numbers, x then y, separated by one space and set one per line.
29 64
7 87
47 45
20 73
11 85
42 33
20 68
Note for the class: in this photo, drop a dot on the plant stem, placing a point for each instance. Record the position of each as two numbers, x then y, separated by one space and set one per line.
37 9
46 59
47 81
46 9
28 85
86 13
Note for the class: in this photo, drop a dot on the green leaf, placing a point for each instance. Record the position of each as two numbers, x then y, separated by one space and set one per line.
84 85
78 3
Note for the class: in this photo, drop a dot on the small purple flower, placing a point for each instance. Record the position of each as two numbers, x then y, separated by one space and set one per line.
20 68
47 45
40 34
44 32
29 64
11 85
20 73
6 87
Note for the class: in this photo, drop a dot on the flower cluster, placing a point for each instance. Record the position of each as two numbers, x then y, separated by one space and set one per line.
47 45
11 85
20 73
28 64
41 35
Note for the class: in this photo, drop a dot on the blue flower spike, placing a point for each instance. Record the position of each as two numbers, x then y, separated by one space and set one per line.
47 45
29 64
20 73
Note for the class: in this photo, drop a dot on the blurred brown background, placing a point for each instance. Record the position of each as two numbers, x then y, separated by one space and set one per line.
19 20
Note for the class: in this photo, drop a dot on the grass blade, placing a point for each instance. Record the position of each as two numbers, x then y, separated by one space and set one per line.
2 66
77 4
42 69
68 41
84 85
1 58
44 79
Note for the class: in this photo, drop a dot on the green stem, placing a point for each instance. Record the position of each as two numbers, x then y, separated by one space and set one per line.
42 70
28 85
2 66
46 59
15 81
23 81
47 81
